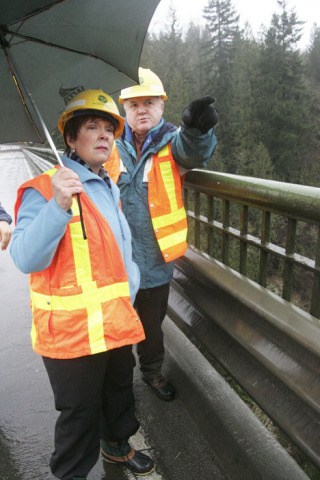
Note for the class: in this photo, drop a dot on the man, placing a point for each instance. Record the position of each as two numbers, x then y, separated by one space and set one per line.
5 230
147 164
74 241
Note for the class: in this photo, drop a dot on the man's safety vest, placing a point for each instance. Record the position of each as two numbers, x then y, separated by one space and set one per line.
165 200
81 303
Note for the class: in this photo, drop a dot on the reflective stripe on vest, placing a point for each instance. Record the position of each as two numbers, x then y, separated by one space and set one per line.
90 310
166 207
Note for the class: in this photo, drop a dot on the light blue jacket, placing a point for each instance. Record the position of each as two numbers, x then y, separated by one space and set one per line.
190 149
42 224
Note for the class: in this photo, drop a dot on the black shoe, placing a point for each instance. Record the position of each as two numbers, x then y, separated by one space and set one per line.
160 386
136 461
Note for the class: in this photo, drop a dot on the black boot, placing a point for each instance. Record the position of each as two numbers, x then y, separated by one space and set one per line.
121 453
161 387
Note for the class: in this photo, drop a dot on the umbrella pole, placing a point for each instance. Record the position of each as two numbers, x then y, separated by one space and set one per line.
46 131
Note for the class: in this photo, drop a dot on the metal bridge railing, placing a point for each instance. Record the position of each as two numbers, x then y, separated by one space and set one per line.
265 230
253 241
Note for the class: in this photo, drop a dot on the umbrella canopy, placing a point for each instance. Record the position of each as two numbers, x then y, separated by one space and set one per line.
51 50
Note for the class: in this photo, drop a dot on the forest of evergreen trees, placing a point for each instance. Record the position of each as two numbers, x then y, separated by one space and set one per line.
267 91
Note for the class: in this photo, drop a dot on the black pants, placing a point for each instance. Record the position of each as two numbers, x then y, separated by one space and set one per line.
151 305
95 399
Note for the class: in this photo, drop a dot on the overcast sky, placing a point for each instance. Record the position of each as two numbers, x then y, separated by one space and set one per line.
256 12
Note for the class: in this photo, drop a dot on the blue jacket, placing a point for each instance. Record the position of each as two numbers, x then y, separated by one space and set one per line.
42 224
4 216
190 149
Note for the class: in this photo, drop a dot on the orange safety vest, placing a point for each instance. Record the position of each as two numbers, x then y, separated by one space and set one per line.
81 303
169 219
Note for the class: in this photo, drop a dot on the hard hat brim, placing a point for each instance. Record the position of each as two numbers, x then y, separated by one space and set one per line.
122 98
85 111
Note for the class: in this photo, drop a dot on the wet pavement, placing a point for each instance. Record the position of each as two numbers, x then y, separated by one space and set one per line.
27 414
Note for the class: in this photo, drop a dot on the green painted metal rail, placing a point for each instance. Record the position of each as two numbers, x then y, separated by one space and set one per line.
247 291
266 230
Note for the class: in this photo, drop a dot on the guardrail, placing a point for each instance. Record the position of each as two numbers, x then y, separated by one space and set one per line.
40 158
268 231
268 345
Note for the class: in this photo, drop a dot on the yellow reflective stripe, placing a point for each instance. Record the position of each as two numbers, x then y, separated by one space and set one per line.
95 330
80 249
92 302
75 207
33 334
51 172
168 179
169 218
92 297
90 293
171 240
164 152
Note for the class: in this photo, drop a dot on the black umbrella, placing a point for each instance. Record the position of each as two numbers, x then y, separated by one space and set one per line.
51 50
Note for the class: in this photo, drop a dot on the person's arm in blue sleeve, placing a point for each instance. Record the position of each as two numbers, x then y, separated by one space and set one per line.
4 216
42 224
5 230
194 143
40 227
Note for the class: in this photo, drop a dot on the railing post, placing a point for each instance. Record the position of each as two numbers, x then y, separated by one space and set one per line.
315 298
225 235
265 237
243 244
288 263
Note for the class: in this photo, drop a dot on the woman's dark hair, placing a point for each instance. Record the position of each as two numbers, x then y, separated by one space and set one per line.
74 124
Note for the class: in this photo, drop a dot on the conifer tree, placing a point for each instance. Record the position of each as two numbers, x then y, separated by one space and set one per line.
280 95
223 25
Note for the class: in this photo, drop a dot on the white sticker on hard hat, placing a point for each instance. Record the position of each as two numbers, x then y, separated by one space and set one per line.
77 103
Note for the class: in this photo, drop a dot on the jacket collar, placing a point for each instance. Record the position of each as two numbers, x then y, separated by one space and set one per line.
128 135
84 173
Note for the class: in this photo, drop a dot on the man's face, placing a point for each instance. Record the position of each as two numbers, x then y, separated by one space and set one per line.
143 113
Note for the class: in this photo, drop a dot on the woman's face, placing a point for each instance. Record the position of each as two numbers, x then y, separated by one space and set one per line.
94 142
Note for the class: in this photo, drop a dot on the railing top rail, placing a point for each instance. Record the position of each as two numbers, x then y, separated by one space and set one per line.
294 200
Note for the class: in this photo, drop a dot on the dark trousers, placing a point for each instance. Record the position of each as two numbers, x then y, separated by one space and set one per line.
151 305
95 399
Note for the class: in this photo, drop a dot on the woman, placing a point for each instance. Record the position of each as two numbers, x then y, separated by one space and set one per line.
73 240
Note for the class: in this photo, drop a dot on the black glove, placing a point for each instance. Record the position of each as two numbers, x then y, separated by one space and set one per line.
200 114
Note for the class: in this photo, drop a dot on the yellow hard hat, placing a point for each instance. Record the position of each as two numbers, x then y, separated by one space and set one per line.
150 85
94 102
